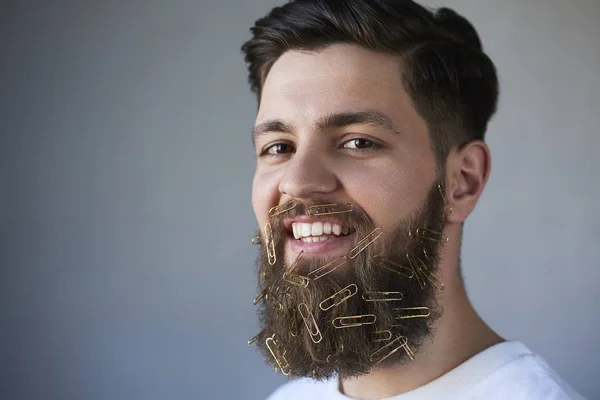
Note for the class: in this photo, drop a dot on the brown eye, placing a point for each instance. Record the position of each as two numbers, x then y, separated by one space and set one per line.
359 144
278 148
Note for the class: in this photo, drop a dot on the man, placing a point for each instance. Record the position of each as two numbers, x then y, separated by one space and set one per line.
370 156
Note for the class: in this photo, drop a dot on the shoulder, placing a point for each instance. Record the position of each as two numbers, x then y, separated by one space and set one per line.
302 389
527 377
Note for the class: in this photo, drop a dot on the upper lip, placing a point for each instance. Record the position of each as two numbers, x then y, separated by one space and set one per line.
287 223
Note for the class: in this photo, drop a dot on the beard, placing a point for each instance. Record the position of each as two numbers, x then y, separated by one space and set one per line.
304 337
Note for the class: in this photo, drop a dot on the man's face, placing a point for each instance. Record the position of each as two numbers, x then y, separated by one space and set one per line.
386 173
336 127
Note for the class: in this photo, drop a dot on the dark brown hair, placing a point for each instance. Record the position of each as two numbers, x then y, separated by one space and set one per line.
451 81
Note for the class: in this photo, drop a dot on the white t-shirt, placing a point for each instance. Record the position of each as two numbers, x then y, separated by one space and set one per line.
506 371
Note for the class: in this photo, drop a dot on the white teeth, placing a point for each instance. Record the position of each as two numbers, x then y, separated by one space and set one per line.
306 229
314 239
317 229
337 230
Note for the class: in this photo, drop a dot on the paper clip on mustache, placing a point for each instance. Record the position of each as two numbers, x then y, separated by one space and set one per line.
365 242
393 267
354 321
339 297
400 342
330 209
270 244
283 208
328 268
279 357
311 324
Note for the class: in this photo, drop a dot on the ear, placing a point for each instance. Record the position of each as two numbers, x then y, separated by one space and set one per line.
467 171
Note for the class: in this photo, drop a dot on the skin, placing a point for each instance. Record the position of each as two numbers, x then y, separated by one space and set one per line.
387 171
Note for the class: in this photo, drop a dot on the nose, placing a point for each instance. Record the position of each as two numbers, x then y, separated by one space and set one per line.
307 176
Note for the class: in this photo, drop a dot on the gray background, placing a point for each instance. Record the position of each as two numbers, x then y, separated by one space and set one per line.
125 174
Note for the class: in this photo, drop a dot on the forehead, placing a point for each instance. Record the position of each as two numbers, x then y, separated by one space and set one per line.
340 78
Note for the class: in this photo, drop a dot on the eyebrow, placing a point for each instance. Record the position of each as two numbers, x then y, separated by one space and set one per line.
373 118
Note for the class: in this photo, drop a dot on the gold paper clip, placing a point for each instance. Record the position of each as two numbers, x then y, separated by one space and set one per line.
354 321
260 296
339 297
365 242
328 268
296 279
330 209
381 354
413 264
393 267
311 324
344 363
256 240
428 234
412 312
381 336
255 338
282 208
270 244
279 357
427 274
382 296
274 302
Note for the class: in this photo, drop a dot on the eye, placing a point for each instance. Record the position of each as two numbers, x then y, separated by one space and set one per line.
277 149
358 144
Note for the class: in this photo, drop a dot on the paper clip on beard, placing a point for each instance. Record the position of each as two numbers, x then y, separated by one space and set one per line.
283 208
393 267
328 268
330 209
260 296
255 338
381 336
311 324
293 278
354 321
412 312
339 297
274 302
278 355
428 234
382 296
423 274
400 342
365 242
270 245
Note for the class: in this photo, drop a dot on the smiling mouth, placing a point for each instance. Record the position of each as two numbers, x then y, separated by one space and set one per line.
320 238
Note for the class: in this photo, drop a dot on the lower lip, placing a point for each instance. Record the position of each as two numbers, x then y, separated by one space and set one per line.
335 245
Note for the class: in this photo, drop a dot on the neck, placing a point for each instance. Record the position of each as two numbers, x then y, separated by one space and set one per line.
459 335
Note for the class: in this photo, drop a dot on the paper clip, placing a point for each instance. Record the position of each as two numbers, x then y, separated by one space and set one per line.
354 321
260 296
255 338
270 244
365 242
256 240
339 297
293 328
311 324
382 296
282 208
274 302
427 274
273 347
412 312
328 268
381 336
330 209
296 279
413 264
428 234
393 267
340 362
381 354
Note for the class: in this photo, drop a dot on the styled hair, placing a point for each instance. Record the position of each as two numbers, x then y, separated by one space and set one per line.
452 83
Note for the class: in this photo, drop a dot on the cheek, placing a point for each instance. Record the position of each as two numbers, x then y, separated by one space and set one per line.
264 195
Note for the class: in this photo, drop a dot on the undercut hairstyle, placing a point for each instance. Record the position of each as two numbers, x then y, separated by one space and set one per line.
452 83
